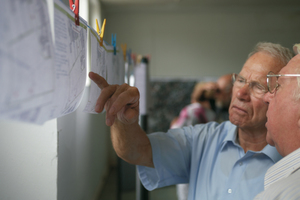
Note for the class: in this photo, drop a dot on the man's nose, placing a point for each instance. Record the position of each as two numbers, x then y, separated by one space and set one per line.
243 93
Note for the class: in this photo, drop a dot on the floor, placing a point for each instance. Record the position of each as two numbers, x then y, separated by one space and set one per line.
109 191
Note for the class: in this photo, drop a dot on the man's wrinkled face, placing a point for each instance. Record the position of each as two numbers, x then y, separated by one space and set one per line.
246 109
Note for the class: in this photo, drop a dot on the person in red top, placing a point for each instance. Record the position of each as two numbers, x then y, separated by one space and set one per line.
200 110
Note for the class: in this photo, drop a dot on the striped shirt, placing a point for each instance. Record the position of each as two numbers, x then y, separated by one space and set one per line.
282 181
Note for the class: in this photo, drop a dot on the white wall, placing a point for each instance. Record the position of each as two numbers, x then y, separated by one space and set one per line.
28 158
84 154
203 41
28 161
66 158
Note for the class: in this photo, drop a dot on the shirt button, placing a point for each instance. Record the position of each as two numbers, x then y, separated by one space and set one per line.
241 163
229 191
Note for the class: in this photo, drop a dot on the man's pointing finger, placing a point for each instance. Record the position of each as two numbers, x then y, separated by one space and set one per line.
99 80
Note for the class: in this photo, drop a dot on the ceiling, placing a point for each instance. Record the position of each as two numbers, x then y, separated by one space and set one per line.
187 5
201 2
138 1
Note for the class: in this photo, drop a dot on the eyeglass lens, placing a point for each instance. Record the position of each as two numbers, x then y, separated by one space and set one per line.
272 82
256 88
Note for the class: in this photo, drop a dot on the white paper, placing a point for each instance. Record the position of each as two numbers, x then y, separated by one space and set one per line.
69 63
121 68
70 60
26 60
97 66
110 64
141 82
115 67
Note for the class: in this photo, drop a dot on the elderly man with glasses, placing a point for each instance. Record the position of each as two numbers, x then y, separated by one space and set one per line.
219 161
282 181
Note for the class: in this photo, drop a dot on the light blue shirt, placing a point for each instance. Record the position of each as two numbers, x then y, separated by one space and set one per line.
207 157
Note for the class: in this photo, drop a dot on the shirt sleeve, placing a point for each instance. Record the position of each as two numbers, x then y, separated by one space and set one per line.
171 156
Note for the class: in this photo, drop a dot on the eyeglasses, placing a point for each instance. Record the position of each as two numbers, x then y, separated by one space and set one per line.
256 89
272 80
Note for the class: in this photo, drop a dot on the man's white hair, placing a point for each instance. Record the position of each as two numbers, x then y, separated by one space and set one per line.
275 50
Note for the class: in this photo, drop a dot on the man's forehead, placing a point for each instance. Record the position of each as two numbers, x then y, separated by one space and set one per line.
292 66
259 65
253 72
254 75
264 62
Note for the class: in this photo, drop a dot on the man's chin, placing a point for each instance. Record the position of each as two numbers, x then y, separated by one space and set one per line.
235 121
269 140
235 118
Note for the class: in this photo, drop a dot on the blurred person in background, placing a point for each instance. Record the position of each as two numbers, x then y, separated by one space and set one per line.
223 97
199 111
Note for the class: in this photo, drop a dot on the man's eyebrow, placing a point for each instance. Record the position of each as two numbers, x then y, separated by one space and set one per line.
262 81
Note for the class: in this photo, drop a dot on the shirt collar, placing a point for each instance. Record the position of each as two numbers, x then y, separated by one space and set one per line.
268 150
272 153
230 136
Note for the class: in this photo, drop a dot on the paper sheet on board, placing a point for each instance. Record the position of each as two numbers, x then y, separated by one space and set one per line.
97 66
70 60
121 68
110 62
115 67
26 60
141 82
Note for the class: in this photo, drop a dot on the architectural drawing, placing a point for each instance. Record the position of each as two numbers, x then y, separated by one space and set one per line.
26 59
